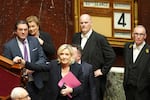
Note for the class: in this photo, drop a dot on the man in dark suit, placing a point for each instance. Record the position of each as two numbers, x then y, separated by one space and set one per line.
89 88
137 57
96 51
15 48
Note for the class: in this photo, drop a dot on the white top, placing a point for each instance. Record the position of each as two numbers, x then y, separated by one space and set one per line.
137 50
21 46
85 38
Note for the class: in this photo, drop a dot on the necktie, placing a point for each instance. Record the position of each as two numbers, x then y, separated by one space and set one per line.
28 75
24 71
25 51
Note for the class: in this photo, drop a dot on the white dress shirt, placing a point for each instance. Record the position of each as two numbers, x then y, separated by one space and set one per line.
85 38
21 46
137 50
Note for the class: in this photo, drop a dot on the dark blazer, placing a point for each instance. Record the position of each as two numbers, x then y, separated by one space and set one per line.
100 55
48 46
89 88
11 50
97 51
142 63
54 69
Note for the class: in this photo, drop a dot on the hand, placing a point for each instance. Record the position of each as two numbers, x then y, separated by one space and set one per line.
23 62
29 71
40 41
17 60
66 91
97 73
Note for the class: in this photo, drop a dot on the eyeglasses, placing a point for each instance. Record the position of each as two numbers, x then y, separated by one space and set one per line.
139 34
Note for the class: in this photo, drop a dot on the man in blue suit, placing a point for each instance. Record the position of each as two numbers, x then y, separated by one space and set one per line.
89 86
15 48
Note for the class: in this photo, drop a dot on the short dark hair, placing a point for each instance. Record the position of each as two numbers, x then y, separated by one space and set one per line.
78 47
20 22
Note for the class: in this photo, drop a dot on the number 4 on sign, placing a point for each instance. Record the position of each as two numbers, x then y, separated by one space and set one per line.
122 20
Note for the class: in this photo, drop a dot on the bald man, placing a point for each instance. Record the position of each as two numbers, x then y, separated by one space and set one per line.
19 93
96 51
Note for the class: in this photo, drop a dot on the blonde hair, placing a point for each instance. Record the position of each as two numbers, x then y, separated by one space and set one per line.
33 19
69 48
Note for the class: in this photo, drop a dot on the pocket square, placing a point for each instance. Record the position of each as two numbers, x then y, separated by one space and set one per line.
34 49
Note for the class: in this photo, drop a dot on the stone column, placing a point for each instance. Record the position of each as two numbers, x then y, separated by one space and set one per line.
114 87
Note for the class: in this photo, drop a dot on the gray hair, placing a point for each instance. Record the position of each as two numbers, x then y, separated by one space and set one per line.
17 92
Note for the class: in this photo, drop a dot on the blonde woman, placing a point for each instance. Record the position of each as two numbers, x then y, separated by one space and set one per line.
44 38
57 70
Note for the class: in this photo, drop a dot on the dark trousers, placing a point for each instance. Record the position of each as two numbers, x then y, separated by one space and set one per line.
132 93
100 87
34 92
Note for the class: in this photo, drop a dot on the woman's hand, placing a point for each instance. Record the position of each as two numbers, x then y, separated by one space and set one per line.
66 91
40 41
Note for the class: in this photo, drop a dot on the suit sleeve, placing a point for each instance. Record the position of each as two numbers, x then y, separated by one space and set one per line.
37 67
108 55
92 85
6 52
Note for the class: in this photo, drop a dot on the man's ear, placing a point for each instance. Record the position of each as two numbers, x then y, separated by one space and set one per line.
145 36
14 33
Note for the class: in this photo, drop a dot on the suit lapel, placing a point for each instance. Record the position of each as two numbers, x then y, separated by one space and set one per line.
141 54
59 72
130 55
84 68
31 46
143 59
17 49
88 46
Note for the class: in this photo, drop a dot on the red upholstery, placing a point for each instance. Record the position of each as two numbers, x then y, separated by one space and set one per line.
8 81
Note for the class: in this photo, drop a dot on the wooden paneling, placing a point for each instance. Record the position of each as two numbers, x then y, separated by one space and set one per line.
144 15
57 18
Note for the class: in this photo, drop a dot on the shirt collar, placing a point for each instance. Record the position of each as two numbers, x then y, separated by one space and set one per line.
139 47
87 35
21 41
